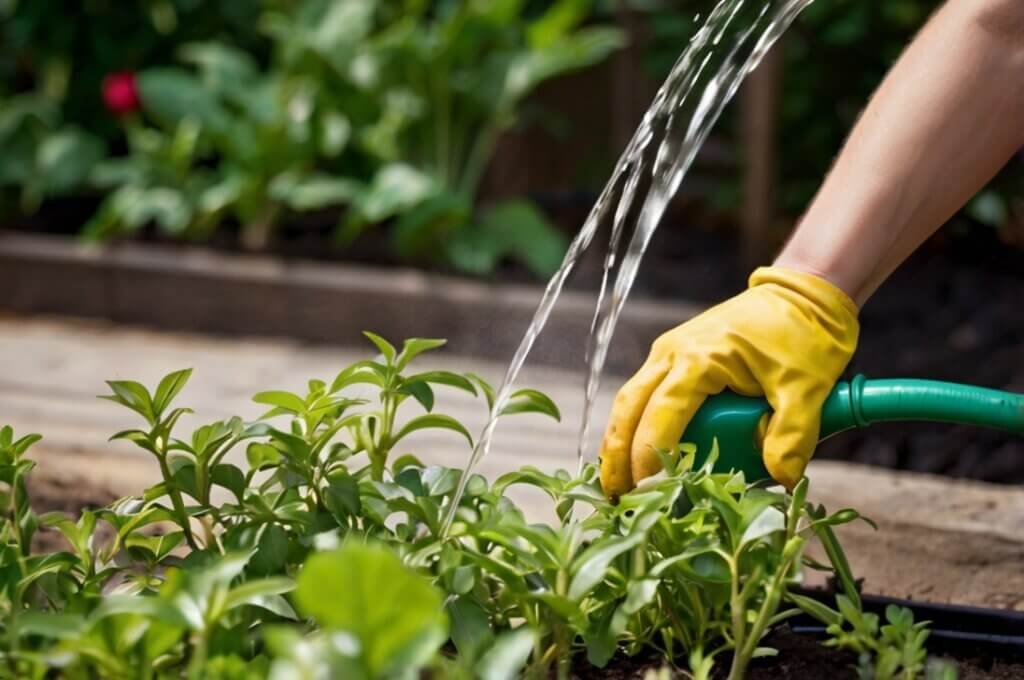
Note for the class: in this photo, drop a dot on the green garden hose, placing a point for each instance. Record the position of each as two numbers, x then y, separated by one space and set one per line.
735 422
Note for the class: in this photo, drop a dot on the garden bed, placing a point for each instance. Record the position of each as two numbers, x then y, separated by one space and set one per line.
980 643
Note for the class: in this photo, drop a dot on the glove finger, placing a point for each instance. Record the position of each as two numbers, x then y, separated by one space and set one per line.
791 437
616 477
669 411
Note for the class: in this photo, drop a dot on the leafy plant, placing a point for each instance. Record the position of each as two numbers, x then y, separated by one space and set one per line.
894 650
41 156
324 555
388 115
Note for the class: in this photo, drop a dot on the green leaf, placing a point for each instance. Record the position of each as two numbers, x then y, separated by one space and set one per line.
385 347
443 378
229 477
590 568
172 95
471 627
65 159
169 388
421 392
413 347
365 590
271 554
262 456
812 607
485 387
154 547
292 403
506 658
511 229
432 421
365 372
51 625
342 495
768 521
395 188
531 401
133 395
418 230
259 593
314 192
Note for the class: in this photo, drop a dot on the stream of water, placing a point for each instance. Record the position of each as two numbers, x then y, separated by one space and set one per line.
730 43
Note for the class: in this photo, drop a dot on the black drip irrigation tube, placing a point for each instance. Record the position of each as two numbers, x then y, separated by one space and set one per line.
995 632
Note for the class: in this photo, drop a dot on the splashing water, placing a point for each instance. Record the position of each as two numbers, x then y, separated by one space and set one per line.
730 44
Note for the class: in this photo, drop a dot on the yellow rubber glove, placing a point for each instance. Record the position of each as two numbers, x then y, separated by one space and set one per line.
788 337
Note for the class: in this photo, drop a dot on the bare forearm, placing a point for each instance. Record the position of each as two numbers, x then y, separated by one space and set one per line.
946 118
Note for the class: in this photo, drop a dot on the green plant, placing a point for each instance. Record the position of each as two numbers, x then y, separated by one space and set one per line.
324 555
894 650
40 155
390 113
436 85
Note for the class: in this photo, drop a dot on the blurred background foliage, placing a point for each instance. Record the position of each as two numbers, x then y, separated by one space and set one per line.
377 115
835 55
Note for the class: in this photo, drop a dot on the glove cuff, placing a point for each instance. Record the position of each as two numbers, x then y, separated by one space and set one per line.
814 288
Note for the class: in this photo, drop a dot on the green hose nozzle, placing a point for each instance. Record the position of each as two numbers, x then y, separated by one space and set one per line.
736 421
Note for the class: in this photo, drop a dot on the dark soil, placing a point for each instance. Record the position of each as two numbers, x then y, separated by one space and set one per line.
801 657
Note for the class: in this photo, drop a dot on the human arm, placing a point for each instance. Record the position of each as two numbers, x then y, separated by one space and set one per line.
948 115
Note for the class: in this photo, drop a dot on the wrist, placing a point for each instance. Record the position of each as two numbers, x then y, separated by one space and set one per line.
844 273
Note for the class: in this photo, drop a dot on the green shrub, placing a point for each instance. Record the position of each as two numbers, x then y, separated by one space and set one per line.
324 555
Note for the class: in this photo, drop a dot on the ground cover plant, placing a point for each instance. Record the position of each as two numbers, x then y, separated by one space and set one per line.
325 554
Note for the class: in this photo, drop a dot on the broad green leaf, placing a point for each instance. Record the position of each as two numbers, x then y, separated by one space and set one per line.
262 456
260 592
134 395
514 229
229 477
421 392
768 521
366 372
395 188
432 421
471 627
51 625
342 495
172 95
65 159
590 568
531 401
443 378
314 192
284 400
156 547
485 387
413 347
385 347
365 590
506 658
169 388
439 217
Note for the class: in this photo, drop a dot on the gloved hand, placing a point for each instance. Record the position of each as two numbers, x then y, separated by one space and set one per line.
788 337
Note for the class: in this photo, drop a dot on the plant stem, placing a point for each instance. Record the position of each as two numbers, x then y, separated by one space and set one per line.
177 502
479 157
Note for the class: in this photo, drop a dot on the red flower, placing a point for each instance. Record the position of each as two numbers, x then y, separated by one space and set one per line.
121 93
